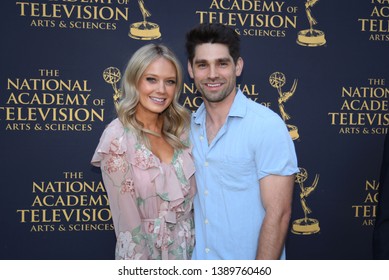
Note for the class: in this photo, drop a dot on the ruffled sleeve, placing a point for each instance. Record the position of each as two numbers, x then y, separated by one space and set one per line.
110 156
112 135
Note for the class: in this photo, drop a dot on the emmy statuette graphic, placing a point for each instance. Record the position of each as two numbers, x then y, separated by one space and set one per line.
112 76
305 226
311 37
277 80
144 30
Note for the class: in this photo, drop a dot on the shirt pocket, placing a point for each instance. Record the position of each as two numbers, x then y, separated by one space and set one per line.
238 174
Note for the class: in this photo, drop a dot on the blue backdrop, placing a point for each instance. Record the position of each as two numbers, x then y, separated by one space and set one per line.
324 64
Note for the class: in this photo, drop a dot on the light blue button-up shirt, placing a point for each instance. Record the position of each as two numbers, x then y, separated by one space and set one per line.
253 142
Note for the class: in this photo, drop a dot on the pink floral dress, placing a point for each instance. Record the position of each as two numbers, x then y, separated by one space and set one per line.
151 201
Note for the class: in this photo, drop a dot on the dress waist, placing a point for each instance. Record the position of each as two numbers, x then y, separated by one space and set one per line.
170 217
162 228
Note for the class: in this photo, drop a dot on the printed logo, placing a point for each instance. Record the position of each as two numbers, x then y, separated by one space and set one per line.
112 76
252 18
311 37
50 100
278 80
365 211
376 24
306 225
144 30
363 108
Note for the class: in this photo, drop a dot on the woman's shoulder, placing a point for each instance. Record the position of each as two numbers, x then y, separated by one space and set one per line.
184 137
115 126
117 135
116 129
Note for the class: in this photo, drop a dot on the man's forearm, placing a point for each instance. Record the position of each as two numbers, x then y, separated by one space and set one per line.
272 237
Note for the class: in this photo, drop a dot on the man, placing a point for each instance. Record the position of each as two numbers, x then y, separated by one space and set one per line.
381 227
245 159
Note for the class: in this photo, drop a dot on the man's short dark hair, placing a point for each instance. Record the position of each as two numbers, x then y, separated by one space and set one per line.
213 33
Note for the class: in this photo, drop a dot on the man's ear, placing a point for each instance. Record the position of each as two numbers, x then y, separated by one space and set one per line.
190 69
239 66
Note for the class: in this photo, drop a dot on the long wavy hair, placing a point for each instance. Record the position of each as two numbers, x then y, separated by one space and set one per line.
176 118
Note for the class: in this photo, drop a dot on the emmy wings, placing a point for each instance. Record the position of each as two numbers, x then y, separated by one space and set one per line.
310 3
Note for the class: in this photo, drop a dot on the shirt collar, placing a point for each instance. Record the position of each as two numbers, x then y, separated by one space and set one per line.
239 106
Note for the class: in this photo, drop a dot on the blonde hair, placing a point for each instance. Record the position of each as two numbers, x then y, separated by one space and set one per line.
176 118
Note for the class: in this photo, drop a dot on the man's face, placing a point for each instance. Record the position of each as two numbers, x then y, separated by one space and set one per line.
214 71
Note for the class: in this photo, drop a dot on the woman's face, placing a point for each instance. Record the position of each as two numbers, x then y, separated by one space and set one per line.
156 87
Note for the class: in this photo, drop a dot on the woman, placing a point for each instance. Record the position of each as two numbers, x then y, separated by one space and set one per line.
146 163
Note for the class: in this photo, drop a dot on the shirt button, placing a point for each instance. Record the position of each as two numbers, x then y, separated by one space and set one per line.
206 221
207 250
206 192
206 163
201 137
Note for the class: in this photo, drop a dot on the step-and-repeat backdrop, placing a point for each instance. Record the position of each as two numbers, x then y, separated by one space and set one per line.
322 65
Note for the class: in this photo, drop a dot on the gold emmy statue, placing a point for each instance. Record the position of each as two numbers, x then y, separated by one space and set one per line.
112 76
305 225
311 37
277 80
144 30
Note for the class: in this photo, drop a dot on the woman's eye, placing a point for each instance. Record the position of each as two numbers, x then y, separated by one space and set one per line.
171 82
150 79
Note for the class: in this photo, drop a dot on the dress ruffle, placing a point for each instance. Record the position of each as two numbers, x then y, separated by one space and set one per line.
170 187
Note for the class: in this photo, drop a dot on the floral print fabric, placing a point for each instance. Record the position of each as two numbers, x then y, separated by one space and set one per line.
151 201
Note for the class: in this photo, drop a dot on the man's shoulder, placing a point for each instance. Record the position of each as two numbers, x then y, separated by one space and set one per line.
260 111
